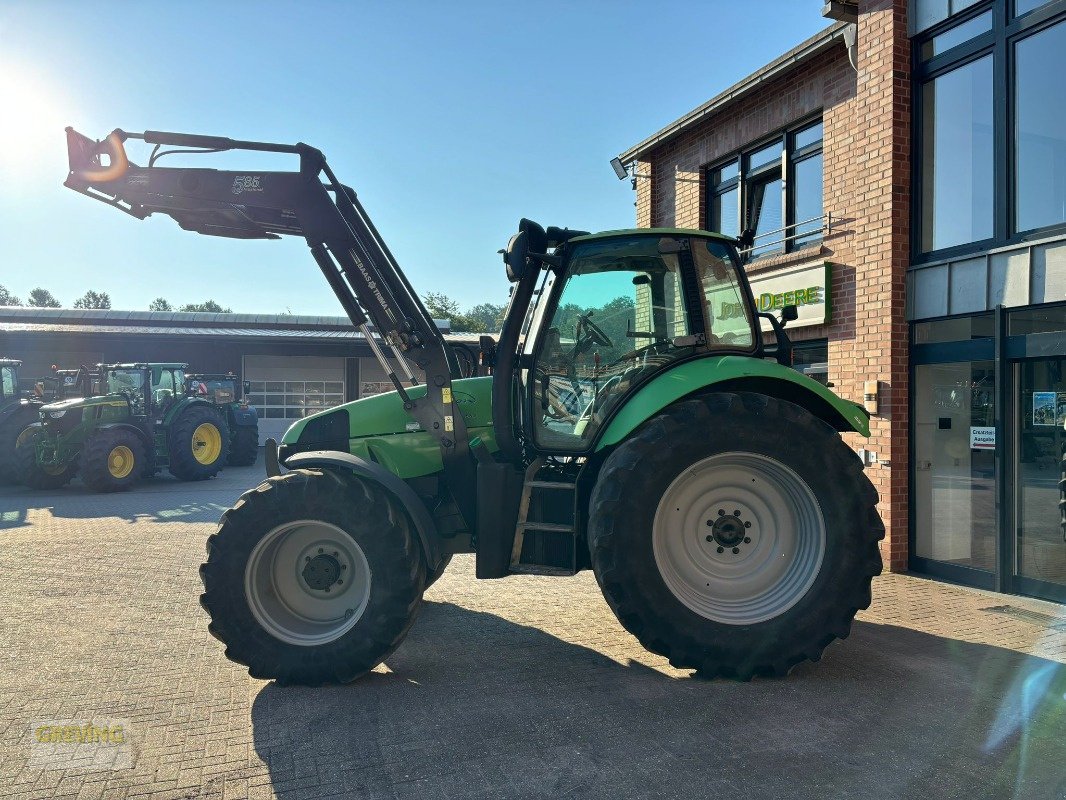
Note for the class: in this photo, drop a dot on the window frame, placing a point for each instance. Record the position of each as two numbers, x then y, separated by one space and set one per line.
783 168
1007 30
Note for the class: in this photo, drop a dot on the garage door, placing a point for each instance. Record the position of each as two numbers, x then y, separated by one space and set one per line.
285 389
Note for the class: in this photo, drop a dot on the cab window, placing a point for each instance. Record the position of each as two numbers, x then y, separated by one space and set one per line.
729 322
620 316
7 382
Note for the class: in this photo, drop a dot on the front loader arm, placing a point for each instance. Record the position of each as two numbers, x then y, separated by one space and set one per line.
312 203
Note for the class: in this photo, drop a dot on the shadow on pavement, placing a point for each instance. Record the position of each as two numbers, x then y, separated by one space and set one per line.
473 705
161 498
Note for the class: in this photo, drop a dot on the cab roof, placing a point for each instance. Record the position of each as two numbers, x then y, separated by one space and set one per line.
655 232
142 365
10 362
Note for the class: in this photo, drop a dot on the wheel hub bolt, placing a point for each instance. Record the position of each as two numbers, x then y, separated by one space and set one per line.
735 551
747 524
747 540
721 512
736 513
721 549
710 538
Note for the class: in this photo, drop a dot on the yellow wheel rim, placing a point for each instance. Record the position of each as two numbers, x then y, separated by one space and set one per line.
120 461
206 443
24 437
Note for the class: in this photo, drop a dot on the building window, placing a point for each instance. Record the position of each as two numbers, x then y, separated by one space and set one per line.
775 190
990 144
956 156
1040 129
294 399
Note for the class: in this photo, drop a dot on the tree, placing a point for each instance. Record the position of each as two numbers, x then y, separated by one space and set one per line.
160 304
8 299
488 314
207 305
440 306
42 298
93 299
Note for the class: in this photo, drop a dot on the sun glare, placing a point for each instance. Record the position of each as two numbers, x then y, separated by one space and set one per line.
31 123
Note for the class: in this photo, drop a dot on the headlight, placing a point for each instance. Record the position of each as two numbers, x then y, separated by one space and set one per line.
57 414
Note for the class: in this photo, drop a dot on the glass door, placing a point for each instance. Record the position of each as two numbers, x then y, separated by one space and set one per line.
1039 566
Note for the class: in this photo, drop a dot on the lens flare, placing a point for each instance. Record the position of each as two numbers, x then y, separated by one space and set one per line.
31 124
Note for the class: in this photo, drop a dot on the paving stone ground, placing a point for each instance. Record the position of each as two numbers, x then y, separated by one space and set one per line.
526 687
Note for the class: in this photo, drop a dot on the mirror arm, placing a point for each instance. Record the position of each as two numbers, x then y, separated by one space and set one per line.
783 349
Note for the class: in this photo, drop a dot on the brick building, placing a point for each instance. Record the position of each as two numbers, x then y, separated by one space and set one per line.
905 174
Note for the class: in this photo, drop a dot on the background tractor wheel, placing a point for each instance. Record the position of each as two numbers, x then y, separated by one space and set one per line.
741 551
313 577
244 448
112 460
198 443
28 472
13 424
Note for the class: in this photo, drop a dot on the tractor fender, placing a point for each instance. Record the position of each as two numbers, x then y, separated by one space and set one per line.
108 426
244 417
412 503
179 408
732 373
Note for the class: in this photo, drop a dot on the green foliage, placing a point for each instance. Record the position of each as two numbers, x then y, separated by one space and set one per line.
207 305
160 304
42 298
8 299
440 306
615 318
93 299
488 314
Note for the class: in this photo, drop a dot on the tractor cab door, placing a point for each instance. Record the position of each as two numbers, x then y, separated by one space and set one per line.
168 386
8 383
629 308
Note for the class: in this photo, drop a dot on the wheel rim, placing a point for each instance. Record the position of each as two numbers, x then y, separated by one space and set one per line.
307 582
206 443
738 538
120 461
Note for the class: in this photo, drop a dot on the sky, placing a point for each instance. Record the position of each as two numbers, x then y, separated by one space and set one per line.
451 120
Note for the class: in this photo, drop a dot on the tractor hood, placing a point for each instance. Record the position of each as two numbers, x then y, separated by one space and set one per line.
379 429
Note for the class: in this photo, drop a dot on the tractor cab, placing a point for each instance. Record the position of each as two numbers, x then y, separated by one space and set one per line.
150 389
599 316
219 388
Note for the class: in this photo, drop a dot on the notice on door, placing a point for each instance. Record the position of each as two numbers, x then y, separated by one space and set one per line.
982 438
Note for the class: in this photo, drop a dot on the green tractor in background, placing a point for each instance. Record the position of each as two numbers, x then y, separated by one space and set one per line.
230 396
635 423
142 422
18 412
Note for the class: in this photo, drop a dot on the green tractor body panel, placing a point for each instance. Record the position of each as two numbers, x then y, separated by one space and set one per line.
379 429
69 423
691 376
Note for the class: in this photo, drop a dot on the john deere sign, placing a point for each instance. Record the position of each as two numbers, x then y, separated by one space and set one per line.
807 287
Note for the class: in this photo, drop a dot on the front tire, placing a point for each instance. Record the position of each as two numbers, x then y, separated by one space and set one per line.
313 577
739 551
16 421
198 444
28 472
112 460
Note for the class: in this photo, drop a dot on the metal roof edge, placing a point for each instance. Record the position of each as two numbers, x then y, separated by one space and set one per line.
802 52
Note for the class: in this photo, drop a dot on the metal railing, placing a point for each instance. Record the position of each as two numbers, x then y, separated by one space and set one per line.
825 229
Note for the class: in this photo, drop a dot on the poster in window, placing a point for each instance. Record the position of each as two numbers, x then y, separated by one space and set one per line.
1044 408
1060 409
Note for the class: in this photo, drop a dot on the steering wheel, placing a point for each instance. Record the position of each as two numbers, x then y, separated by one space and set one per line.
593 330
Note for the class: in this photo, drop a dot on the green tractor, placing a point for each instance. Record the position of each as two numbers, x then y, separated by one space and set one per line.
230 396
18 412
141 423
634 424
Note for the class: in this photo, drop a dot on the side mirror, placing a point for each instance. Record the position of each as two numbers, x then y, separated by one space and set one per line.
516 257
247 386
789 314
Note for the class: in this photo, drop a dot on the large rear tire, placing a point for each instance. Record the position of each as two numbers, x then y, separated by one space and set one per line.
198 443
13 424
244 447
112 460
313 577
735 534
433 575
29 472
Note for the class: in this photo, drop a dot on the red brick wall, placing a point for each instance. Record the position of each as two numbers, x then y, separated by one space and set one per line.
866 187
